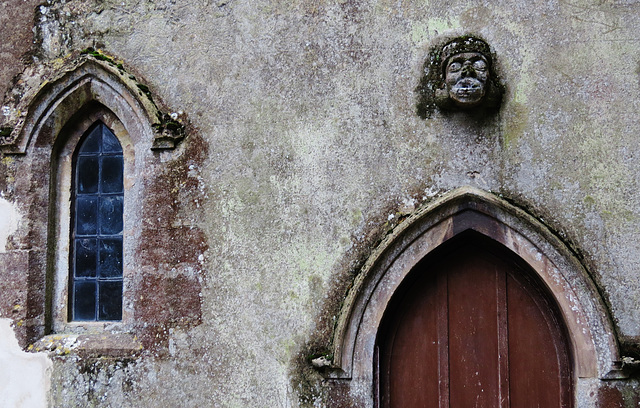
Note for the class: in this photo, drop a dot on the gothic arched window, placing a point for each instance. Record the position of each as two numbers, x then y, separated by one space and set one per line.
95 283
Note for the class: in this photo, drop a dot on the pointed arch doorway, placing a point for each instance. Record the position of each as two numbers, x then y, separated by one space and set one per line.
472 326
474 242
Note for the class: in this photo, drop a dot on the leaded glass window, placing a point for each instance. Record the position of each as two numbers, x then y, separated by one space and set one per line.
98 198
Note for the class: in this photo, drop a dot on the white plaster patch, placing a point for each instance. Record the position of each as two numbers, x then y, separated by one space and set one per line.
24 377
9 218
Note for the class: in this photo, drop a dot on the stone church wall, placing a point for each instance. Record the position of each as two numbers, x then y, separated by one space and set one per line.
298 148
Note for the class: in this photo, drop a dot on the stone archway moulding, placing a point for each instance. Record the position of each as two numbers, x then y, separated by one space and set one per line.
92 80
56 115
593 343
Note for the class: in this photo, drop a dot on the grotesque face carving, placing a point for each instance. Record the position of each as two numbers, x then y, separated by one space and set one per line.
460 76
466 76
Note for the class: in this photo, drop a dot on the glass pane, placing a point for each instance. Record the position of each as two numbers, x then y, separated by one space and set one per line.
86 215
92 143
87 174
98 215
86 257
111 215
110 301
110 143
84 300
110 258
111 181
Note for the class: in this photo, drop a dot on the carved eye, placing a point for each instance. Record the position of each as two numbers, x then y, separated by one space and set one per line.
455 67
480 65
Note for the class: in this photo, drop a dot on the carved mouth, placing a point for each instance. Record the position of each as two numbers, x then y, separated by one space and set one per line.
468 88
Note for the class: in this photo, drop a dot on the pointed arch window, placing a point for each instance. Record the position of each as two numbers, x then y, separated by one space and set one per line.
96 280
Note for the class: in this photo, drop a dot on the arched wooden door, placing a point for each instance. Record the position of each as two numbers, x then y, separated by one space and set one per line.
473 327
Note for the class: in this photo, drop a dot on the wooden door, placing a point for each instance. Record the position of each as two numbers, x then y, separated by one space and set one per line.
473 327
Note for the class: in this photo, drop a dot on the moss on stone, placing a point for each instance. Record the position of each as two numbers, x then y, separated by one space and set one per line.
5 131
97 54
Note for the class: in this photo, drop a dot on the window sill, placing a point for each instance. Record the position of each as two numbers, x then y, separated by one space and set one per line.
89 345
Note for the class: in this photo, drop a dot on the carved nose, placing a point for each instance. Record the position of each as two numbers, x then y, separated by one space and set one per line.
468 71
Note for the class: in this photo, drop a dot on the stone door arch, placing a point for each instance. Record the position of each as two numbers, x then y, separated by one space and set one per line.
590 333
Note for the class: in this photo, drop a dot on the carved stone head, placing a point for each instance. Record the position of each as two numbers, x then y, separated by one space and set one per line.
466 77
459 75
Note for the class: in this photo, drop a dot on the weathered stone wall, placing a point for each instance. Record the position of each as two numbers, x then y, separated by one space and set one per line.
16 25
303 150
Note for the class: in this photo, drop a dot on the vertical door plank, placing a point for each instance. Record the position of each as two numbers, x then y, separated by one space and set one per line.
443 338
411 361
503 338
536 350
473 340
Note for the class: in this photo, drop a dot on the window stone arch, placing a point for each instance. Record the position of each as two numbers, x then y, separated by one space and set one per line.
591 332
87 91
91 80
